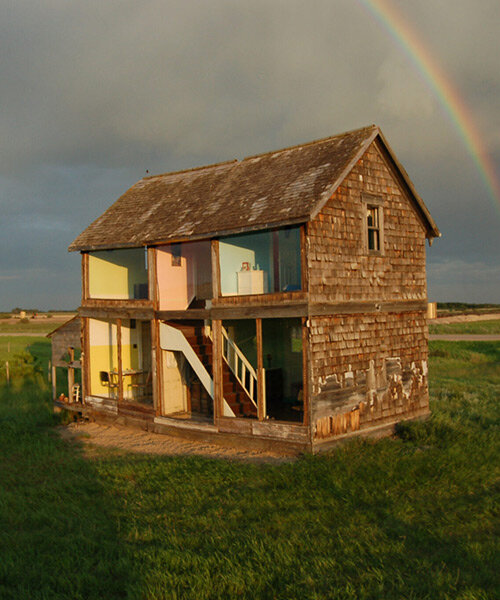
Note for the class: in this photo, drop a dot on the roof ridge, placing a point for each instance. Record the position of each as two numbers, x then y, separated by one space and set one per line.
306 144
224 162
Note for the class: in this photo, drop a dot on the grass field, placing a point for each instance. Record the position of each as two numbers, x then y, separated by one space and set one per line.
414 517
473 327
42 326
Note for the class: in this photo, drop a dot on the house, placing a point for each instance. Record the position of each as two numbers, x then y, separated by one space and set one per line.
278 300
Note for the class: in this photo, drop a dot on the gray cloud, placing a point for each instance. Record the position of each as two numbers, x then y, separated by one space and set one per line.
94 93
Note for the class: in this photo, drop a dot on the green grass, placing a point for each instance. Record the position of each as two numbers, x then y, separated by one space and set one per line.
473 327
412 517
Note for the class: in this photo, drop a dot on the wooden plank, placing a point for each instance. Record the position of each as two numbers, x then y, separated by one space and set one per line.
215 269
152 280
348 308
85 276
277 311
139 314
235 425
217 369
71 373
119 353
156 368
303 258
261 388
178 315
305 372
125 304
282 431
54 383
85 359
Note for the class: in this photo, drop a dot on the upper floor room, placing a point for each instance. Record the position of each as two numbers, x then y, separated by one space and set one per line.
333 220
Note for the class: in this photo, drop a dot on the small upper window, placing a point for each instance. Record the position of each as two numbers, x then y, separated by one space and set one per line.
373 227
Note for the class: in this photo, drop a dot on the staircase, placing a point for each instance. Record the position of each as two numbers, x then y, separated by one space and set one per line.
233 392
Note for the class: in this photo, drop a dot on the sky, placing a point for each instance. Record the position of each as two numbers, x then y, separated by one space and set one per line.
94 94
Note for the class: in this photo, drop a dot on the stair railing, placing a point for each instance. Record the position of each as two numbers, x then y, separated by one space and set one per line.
239 365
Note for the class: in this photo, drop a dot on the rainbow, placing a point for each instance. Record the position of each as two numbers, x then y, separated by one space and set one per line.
453 106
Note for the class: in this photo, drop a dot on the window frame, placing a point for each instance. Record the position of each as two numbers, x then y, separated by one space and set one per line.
373 202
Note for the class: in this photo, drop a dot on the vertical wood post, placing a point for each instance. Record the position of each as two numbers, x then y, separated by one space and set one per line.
71 373
7 373
261 384
119 358
215 269
152 279
217 369
54 383
306 366
85 276
85 358
156 367
303 259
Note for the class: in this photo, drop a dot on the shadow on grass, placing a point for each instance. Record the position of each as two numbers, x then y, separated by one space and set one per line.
57 536
400 518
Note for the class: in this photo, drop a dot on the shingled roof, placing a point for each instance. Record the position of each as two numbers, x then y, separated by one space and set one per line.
278 188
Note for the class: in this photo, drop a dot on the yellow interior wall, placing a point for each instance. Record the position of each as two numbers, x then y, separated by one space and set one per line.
113 273
106 279
104 354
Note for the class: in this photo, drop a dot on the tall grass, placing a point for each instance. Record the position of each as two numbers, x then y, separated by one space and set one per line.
410 517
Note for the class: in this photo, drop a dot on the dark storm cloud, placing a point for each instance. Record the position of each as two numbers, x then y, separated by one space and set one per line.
94 93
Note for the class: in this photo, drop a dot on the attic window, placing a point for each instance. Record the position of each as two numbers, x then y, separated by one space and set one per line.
176 255
373 224
373 227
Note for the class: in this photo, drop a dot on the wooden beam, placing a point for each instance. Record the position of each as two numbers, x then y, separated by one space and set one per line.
140 314
85 359
119 355
306 365
217 369
123 303
304 271
156 367
71 373
215 269
85 276
152 280
277 311
54 383
261 385
348 308
176 315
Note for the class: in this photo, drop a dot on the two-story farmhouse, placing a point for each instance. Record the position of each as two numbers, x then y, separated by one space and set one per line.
280 299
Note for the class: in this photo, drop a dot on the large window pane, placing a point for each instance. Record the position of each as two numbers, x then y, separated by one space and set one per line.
260 263
184 273
282 358
118 274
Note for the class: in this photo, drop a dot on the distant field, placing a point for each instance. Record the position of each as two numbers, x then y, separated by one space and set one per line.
41 326
472 327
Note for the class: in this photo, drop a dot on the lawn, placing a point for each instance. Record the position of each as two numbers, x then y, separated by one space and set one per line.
411 517
473 327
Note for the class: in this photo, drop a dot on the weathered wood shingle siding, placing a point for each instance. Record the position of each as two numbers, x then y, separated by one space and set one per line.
340 269
354 381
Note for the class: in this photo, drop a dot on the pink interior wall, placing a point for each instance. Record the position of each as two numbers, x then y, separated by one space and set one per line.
176 285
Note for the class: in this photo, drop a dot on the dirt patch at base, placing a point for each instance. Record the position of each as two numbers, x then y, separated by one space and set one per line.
96 435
